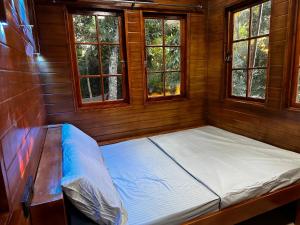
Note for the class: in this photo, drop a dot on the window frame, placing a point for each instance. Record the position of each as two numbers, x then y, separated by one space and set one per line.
228 51
296 60
80 105
183 54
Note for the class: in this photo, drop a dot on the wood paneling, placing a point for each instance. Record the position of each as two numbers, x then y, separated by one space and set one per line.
271 122
21 116
139 117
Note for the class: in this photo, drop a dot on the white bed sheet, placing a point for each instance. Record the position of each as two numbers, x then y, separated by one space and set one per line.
153 188
235 167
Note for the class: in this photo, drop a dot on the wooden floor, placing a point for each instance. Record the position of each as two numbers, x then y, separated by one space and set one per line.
281 216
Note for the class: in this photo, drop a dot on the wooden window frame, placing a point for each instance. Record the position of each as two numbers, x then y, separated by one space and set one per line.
229 51
123 57
183 55
296 60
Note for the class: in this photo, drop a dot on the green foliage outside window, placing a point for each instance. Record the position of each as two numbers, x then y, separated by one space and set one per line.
251 51
89 46
163 56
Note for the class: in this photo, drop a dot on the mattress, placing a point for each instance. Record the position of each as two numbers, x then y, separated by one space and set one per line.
153 188
234 167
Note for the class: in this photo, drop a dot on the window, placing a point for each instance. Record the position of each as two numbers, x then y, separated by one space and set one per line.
164 56
248 51
296 70
100 65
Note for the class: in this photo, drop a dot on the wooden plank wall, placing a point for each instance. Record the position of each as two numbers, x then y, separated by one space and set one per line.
21 116
137 118
272 122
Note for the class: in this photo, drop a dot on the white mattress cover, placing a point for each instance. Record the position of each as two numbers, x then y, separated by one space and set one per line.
235 167
153 188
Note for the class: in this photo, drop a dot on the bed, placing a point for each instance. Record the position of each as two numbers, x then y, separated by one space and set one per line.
232 166
154 189
160 184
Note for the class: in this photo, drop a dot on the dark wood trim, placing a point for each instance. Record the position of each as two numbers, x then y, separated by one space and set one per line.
295 64
47 206
127 55
240 5
253 207
110 5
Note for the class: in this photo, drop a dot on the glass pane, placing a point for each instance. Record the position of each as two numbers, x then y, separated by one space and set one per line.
110 58
298 95
155 84
172 58
109 29
240 55
239 83
261 15
91 89
173 83
154 59
259 50
172 32
85 28
153 31
113 88
241 24
258 83
87 59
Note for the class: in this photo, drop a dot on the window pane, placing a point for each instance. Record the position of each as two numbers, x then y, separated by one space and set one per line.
110 58
241 24
172 32
258 83
261 15
154 58
85 28
172 83
87 59
155 84
298 95
239 83
91 90
172 58
113 88
259 50
240 55
153 31
109 29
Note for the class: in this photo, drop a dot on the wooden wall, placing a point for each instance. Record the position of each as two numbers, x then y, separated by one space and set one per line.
137 118
272 122
21 115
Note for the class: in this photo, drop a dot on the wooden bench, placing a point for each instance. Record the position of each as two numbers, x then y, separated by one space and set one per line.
48 206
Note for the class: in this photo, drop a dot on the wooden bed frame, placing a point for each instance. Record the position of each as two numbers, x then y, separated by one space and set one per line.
48 206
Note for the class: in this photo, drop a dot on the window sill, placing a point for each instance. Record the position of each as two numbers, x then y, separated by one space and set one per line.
105 106
153 101
294 109
244 103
